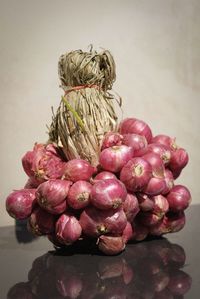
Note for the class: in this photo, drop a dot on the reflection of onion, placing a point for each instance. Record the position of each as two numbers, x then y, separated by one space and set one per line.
70 276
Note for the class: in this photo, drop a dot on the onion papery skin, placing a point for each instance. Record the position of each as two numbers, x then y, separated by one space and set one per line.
114 158
103 175
156 163
161 205
178 160
135 126
137 142
131 207
79 195
107 194
146 204
40 222
179 198
111 245
111 139
95 222
43 163
155 186
68 229
161 150
136 174
165 140
51 195
78 170
20 203
169 181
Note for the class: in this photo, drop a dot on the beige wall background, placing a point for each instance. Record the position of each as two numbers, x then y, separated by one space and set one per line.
156 46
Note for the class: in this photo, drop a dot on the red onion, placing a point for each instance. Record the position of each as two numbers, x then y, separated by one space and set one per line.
136 174
180 283
135 126
43 163
103 175
78 170
111 139
165 140
140 232
79 193
161 205
155 186
111 245
179 198
176 173
41 222
130 207
145 202
68 229
27 161
51 195
149 218
169 181
137 142
19 203
96 222
108 194
127 233
114 158
176 222
169 223
161 150
179 159
156 164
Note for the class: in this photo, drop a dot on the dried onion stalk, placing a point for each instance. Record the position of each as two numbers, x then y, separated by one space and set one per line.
86 112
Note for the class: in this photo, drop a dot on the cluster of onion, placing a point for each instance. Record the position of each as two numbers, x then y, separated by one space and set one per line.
128 196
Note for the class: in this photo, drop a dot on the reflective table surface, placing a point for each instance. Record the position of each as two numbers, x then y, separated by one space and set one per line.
160 268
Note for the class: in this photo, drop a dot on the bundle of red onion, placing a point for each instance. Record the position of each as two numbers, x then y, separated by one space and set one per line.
129 196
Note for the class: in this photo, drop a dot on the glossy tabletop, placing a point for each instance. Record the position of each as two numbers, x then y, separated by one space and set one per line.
163 268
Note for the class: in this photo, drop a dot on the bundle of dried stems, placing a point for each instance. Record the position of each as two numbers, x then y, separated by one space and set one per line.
86 111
